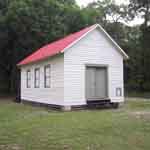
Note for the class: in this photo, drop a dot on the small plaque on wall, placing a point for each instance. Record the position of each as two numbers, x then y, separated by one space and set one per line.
118 91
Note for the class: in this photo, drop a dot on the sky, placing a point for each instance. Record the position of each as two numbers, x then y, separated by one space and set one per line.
132 23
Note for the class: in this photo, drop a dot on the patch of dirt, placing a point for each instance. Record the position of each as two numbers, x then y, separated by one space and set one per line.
10 147
141 115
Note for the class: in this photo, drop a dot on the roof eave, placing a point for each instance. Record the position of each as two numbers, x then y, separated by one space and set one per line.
125 56
31 62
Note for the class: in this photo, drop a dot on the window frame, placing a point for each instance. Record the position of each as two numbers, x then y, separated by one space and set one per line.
49 76
28 78
37 80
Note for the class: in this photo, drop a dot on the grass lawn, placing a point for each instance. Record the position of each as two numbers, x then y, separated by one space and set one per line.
29 128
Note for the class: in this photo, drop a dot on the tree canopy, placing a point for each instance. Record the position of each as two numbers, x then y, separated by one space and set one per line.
26 25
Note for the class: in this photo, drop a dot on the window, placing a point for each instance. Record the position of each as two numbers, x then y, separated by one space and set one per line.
47 76
28 79
37 78
118 91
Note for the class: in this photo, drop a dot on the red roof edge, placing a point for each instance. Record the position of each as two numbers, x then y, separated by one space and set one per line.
55 47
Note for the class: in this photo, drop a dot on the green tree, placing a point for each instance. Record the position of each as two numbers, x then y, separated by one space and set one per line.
141 8
27 25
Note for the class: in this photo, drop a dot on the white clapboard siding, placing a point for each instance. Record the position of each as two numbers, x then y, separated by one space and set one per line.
68 72
94 48
53 95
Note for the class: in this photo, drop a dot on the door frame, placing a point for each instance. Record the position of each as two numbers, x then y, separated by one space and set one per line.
107 78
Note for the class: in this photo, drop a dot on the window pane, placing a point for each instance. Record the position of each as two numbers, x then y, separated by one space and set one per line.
47 75
28 79
37 74
47 71
37 84
37 78
48 82
28 74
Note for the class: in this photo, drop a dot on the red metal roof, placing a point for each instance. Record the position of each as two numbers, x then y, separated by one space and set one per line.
55 47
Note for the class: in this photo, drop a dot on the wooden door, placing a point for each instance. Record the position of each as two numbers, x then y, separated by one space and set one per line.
96 83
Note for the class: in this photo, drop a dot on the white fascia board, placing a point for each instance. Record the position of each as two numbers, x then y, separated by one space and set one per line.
111 39
125 56
73 43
